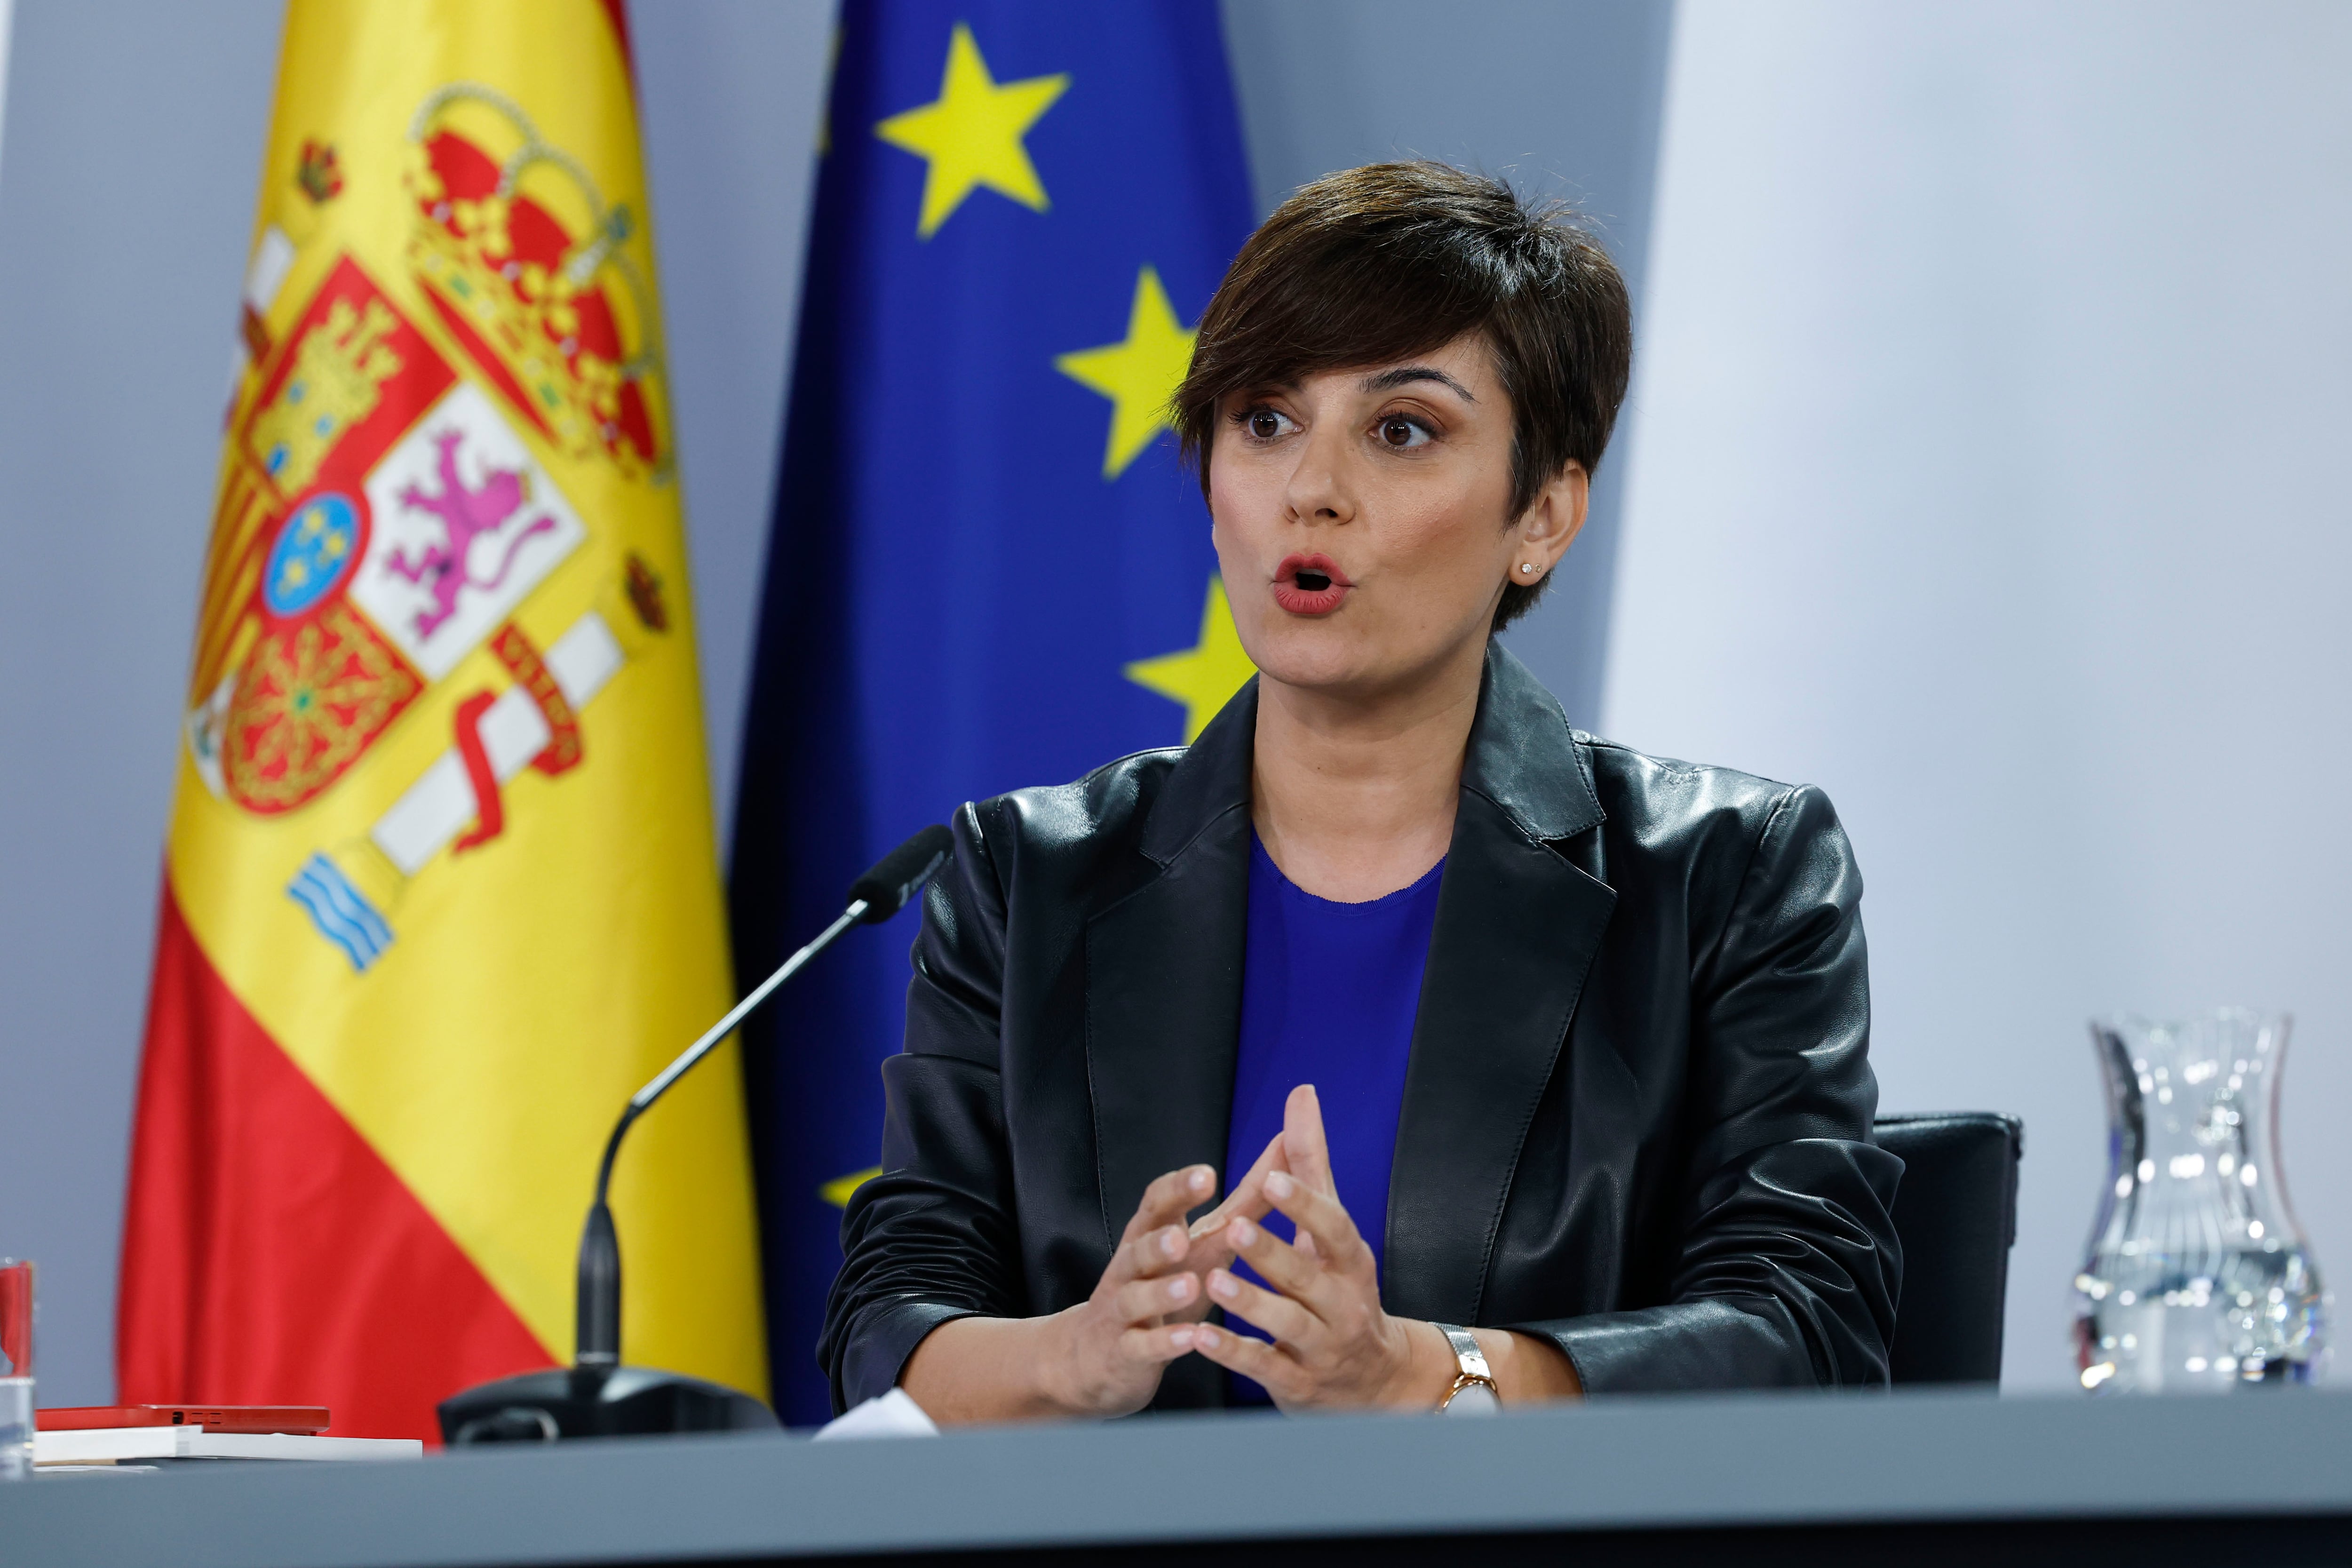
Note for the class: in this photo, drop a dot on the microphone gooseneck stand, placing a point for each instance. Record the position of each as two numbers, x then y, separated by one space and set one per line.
596 1396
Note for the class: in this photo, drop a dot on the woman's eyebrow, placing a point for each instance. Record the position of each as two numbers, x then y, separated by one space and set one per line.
1405 374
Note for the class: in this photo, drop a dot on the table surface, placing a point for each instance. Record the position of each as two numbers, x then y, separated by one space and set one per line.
1664 1463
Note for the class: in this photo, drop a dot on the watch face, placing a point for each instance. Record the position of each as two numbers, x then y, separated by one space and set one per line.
1473 1399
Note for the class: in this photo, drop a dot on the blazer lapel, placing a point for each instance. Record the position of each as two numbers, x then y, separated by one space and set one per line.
1516 932
1164 975
1164 996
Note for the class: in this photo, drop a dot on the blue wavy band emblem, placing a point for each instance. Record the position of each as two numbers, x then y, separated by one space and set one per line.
340 911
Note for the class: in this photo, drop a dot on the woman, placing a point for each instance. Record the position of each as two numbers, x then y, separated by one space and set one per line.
1555 1056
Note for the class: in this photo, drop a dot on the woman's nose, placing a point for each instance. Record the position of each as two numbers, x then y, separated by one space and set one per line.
1318 490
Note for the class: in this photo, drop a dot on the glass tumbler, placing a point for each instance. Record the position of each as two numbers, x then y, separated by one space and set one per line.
16 1369
2197 1278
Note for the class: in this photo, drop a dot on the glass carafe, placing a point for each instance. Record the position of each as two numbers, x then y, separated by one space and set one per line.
2198 1278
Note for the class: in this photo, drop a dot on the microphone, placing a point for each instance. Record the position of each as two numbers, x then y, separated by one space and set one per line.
597 1396
874 898
899 876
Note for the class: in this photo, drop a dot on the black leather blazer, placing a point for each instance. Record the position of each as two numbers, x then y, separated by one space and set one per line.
1637 1119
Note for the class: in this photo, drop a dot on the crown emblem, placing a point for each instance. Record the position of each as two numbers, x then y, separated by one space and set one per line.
522 259
319 172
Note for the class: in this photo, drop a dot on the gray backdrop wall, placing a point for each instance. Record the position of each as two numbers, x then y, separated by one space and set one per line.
1988 472
128 158
128 166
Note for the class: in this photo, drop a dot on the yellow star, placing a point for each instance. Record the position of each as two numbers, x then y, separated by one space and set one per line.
837 1191
1138 376
972 134
1203 678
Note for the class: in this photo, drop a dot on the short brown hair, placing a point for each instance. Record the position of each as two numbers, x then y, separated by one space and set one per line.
1390 260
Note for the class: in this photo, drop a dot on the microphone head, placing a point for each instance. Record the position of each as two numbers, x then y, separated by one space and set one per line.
899 875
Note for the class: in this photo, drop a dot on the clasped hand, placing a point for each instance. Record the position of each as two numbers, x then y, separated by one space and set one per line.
1332 1344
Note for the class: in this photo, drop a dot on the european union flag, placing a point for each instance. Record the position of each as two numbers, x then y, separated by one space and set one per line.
987 568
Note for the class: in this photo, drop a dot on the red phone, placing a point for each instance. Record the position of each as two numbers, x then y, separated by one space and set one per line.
296 1418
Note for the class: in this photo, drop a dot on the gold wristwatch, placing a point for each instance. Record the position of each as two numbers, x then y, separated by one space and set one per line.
1474 1374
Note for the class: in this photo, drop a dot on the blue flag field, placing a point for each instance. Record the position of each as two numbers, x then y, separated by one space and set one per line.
987 568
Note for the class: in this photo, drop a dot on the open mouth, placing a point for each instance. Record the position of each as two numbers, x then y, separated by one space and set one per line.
1311 585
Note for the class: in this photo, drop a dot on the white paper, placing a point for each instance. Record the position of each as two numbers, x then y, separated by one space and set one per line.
892 1415
98 1445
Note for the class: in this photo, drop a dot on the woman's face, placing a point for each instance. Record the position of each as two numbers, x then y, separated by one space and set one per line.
1362 518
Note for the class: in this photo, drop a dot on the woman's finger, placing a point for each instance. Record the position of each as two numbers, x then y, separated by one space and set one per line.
1297 1272
1322 1221
1245 1197
1141 1301
1289 1322
1148 1256
1169 1197
1277 1262
1155 1240
1280 1375
1306 1155
1161 1344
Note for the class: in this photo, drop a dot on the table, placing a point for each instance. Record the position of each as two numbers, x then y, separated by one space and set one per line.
1936 1478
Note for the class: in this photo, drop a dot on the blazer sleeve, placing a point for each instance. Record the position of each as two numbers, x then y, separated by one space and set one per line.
932 1238
1787 1268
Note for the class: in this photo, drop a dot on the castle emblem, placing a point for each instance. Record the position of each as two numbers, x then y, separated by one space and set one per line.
339 369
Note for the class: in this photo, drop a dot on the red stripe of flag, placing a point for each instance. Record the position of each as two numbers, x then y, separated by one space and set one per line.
270 1257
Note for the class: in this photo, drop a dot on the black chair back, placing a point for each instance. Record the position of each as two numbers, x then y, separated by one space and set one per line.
1956 1214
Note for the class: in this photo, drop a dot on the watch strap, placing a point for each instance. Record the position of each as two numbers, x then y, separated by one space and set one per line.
1470 1362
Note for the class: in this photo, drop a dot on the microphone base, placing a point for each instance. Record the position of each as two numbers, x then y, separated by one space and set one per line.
564 1403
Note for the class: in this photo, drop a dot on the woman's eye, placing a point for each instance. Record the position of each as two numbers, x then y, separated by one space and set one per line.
1265 424
1398 431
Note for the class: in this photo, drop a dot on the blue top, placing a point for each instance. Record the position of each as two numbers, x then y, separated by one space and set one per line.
1328 994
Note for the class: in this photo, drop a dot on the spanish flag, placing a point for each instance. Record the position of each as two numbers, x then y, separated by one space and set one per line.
441 886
